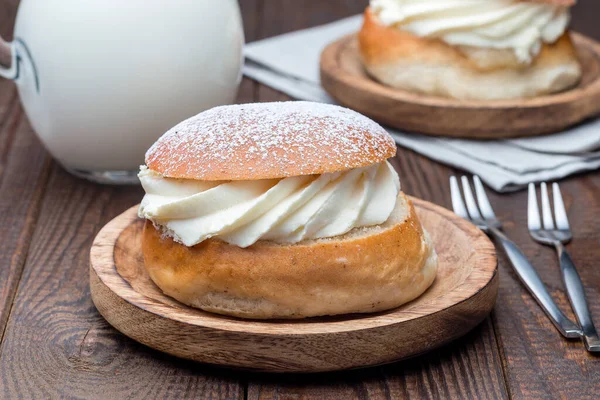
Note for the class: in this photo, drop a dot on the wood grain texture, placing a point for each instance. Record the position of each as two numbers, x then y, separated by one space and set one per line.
461 370
23 175
537 363
8 13
251 11
422 178
55 335
56 344
462 295
470 367
344 78
283 16
583 18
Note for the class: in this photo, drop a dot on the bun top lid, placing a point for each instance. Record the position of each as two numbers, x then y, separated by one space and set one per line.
269 140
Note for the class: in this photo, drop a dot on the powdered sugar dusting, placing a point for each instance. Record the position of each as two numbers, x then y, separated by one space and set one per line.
269 140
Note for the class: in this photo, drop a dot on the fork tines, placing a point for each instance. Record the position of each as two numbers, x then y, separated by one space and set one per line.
479 210
548 222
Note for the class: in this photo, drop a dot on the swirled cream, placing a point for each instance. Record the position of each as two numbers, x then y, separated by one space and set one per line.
285 210
498 24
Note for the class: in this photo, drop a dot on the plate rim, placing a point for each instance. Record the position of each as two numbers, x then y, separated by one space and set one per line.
105 242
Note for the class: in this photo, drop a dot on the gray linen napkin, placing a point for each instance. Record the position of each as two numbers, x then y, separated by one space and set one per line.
290 63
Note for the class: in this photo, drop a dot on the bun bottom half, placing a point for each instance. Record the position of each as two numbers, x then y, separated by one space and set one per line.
404 61
366 270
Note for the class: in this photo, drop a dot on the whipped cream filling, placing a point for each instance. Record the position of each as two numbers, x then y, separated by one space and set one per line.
499 24
285 210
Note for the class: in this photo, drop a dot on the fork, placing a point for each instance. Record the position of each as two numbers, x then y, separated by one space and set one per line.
556 236
487 222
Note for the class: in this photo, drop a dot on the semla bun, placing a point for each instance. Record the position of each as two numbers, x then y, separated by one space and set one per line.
367 269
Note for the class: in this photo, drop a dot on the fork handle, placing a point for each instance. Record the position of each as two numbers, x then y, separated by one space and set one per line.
576 293
536 287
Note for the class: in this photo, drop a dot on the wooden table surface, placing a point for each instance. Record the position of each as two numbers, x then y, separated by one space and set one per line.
55 344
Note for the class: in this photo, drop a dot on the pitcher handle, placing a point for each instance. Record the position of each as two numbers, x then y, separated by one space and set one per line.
8 60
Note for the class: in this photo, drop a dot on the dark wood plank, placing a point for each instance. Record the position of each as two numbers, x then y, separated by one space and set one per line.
468 368
56 343
539 362
251 11
471 367
585 18
464 369
23 165
8 11
282 16
332 386
23 173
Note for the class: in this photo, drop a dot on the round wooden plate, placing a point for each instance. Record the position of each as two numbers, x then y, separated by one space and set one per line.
462 295
343 76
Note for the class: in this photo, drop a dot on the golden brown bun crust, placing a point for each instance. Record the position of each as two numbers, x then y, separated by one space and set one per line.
389 54
367 271
269 140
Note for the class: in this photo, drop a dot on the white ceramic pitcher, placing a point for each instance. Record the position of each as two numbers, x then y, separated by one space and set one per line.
101 80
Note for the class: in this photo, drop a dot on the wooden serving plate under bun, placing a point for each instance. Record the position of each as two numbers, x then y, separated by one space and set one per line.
463 293
343 76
